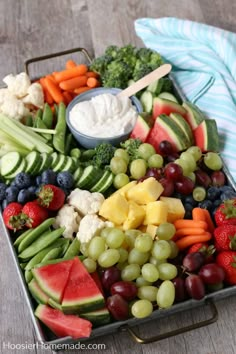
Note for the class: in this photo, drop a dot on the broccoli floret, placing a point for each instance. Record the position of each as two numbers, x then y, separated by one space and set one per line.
116 75
155 60
112 51
144 54
127 54
141 69
131 146
100 64
103 154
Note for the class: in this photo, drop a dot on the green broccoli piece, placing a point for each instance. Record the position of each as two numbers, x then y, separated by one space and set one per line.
112 51
100 64
127 54
144 54
141 69
155 60
117 74
103 154
131 146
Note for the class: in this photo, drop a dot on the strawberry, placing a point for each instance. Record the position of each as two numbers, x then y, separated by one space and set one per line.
12 216
227 260
34 214
51 197
225 238
205 249
226 213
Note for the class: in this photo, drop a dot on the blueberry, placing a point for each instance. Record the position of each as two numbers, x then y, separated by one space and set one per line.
65 180
38 180
4 204
49 177
213 193
24 196
189 200
3 188
228 194
23 180
205 204
11 194
188 210
226 188
13 184
216 203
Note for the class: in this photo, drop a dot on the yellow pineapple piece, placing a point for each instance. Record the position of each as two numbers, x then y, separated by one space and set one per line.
124 189
145 192
151 230
175 208
135 216
156 213
115 209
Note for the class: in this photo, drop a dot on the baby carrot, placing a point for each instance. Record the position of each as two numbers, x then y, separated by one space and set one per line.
93 82
54 90
198 214
188 231
209 221
67 97
81 89
183 223
48 98
203 214
70 64
70 73
190 240
92 74
73 83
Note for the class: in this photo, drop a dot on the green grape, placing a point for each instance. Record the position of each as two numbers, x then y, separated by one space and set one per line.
142 308
166 294
192 176
130 272
161 249
96 246
195 151
156 161
185 167
123 154
140 281
137 257
122 265
165 231
147 292
120 180
213 161
174 249
104 232
150 272
115 238
145 151
130 236
118 165
156 261
187 156
90 265
138 168
167 271
84 248
123 254
143 242
199 194
108 258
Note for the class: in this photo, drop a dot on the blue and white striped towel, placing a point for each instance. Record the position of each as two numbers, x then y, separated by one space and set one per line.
204 67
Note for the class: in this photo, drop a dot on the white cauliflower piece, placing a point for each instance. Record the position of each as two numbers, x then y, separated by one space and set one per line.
90 226
85 202
68 217
3 94
18 84
34 95
13 107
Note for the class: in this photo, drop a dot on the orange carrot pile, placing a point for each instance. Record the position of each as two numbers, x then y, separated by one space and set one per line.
198 229
63 86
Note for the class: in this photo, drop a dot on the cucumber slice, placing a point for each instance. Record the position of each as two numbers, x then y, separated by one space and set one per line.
46 162
61 163
168 96
31 161
69 166
37 167
94 180
55 159
104 183
89 174
156 86
10 163
78 173
147 100
20 169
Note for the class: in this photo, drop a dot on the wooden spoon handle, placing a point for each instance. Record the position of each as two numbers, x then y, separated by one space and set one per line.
146 80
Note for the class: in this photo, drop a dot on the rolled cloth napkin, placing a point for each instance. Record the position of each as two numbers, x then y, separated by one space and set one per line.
204 67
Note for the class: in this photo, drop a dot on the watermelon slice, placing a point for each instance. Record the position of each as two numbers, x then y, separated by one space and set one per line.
184 126
37 292
163 106
53 278
206 136
81 293
98 318
63 325
97 280
193 116
142 128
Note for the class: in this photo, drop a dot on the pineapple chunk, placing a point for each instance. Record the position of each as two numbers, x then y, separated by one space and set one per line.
115 209
145 192
125 189
135 216
156 213
175 208
151 230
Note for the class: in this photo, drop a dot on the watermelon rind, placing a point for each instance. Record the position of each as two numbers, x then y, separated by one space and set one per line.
184 126
194 115
37 292
163 106
54 304
98 318
141 129
206 136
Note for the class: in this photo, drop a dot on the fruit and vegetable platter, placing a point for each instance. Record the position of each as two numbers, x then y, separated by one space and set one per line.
113 235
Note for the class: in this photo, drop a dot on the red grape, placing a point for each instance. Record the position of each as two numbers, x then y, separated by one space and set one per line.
110 276
193 261
184 185
118 307
127 289
171 158
218 178
173 171
155 172
202 178
180 291
168 186
195 286
211 273
165 148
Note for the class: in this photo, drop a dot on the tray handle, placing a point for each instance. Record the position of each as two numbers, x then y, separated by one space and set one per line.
212 319
54 55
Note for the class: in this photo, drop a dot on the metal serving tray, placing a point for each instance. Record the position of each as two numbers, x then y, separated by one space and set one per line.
44 335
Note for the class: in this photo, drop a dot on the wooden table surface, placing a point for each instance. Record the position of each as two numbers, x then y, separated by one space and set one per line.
36 27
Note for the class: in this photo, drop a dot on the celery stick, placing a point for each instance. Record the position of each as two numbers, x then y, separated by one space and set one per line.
12 131
26 129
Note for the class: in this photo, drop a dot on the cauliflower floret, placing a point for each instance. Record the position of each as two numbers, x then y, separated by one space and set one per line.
90 226
34 95
14 108
3 94
85 202
68 217
17 85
